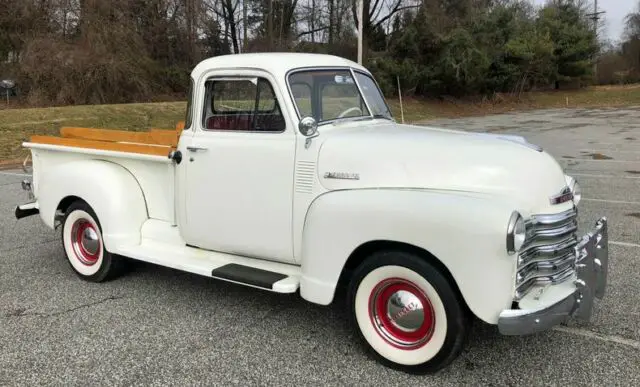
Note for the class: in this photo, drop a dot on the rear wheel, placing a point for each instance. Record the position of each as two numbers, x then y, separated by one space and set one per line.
406 312
84 246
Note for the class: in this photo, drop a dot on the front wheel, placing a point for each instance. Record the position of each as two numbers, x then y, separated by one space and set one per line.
84 246
407 312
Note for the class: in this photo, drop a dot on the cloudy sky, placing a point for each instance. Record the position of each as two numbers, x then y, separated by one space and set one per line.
616 10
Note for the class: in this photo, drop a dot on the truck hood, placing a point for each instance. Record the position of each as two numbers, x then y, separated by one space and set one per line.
390 155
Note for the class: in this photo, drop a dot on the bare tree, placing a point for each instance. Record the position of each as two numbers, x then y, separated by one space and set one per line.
376 13
228 11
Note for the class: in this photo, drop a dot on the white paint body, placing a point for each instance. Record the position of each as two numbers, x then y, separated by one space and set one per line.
262 199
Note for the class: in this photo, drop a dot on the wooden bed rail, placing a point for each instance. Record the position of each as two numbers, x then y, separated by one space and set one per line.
153 142
158 150
152 137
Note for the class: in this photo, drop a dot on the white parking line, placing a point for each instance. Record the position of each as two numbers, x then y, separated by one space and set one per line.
582 142
593 335
14 174
599 161
610 201
609 150
626 244
603 176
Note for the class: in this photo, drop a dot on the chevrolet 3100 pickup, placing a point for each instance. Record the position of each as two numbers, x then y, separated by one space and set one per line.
290 174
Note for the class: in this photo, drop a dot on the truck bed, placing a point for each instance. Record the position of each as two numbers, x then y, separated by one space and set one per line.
144 154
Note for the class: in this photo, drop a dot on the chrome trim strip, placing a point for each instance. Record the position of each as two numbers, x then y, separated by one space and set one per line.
342 175
545 278
548 219
570 254
366 103
548 248
556 231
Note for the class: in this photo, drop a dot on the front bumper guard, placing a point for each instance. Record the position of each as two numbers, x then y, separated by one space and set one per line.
592 260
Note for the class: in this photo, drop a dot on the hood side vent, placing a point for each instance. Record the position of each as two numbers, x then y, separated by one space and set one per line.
305 171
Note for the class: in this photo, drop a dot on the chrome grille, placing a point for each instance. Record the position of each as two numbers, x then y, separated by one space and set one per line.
548 255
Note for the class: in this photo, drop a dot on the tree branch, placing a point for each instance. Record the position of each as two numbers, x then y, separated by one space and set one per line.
312 31
390 14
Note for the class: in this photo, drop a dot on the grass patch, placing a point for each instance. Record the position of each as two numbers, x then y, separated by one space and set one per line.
16 125
416 110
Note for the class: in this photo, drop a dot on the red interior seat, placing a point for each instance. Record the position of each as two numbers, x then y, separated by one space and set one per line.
230 122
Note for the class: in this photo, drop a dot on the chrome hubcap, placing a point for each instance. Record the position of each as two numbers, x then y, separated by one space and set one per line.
86 242
401 313
90 241
405 311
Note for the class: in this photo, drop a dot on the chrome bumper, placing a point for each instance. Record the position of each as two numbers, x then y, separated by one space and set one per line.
27 209
30 208
592 259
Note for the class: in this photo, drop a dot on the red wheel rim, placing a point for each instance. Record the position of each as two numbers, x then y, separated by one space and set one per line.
86 242
401 313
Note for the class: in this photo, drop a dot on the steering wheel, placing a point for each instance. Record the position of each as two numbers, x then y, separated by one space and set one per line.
352 109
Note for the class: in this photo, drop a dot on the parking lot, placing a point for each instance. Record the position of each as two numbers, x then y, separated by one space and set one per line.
161 326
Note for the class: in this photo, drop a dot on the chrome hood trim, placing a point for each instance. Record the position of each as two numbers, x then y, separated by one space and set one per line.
513 138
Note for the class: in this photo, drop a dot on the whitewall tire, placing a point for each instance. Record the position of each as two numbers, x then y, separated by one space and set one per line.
406 312
84 246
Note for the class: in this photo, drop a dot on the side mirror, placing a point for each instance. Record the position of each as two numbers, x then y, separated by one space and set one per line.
308 126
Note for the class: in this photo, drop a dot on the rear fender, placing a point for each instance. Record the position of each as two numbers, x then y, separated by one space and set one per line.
110 189
465 232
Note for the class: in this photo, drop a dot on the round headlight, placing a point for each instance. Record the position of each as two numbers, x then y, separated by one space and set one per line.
516 233
577 192
575 188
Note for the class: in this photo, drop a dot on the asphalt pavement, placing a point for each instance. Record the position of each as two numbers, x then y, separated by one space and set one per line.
157 326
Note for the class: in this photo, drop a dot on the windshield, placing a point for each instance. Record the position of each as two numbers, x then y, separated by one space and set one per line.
327 95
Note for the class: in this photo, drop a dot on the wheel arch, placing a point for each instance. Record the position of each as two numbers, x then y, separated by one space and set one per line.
360 254
110 189
462 234
62 207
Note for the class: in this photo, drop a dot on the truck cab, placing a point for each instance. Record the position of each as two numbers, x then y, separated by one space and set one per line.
249 174
291 175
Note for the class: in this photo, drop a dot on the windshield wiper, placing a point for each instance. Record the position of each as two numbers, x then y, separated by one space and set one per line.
340 119
357 118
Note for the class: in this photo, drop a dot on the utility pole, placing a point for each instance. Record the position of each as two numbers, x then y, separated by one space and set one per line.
360 32
595 16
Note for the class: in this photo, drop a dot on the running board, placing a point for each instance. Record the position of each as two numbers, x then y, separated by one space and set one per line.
162 247
248 275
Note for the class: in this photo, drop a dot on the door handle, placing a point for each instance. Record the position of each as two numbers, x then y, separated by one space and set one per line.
196 148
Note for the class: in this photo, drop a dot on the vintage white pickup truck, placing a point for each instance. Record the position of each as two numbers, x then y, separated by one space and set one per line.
289 174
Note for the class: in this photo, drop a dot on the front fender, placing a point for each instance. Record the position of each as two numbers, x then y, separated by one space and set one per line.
110 189
466 232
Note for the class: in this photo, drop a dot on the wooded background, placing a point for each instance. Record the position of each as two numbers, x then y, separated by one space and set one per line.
110 51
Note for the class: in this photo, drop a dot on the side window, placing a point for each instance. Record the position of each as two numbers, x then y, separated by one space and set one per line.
243 104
